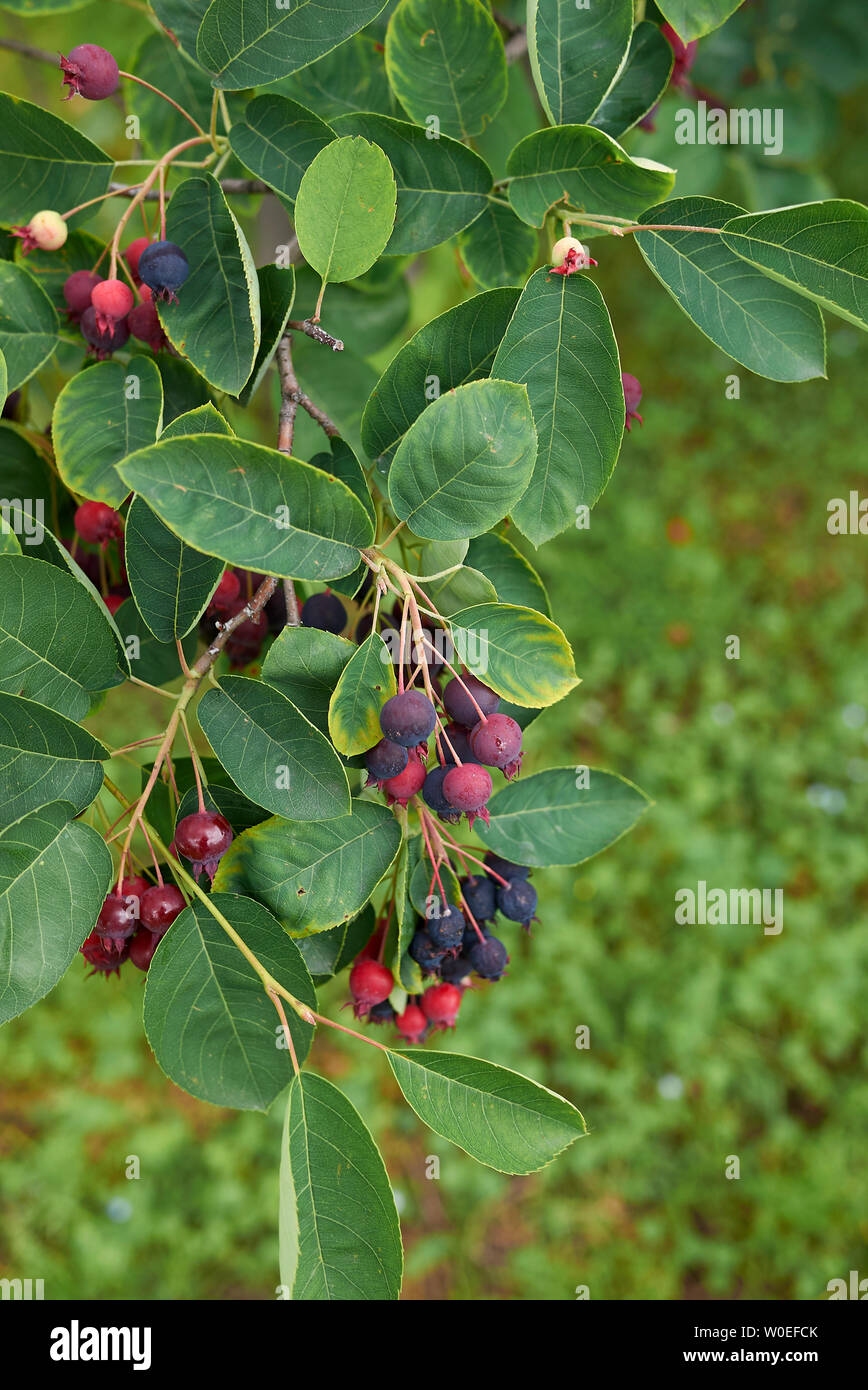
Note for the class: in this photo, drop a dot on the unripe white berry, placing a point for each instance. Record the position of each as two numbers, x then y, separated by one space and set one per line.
48 229
568 243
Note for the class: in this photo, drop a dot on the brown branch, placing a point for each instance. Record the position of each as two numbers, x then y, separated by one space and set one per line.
228 186
27 50
292 396
250 610
319 335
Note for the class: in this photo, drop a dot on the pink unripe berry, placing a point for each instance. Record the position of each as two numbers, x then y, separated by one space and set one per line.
467 787
370 983
90 72
132 252
97 523
412 1024
440 1005
112 300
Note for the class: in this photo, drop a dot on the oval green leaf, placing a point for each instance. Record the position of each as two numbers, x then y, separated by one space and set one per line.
100 416
561 817
45 163
500 1118
44 757
171 582
345 209
640 84
576 52
305 665
692 18
207 1017
465 462
498 249
271 752
513 576
251 506
445 58
578 167
518 652
250 43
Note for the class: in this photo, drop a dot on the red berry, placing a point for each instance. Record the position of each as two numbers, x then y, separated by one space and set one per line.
143 321
370 983
226 592
90 72
77 289
440 1005
142 948
407 783
247 638
112 300
468 788
133 887
98 523
202 838
116 922
412 1024
105 961
113 602
160 906
103 343
131 256
632 397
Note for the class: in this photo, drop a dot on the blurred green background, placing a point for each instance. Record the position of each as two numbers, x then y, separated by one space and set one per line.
706 1042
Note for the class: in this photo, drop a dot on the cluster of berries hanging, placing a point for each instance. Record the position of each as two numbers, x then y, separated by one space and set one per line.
106 309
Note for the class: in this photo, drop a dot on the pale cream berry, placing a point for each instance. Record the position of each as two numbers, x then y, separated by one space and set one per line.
48 230
565 245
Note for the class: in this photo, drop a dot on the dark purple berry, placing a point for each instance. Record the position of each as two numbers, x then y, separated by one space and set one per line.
324 611
432 795
478 892
142 948
381 1013
77 290
471 936
447 932
460 707
103 343
143 321
455 969
160 906
408 718
518 901
458 738
425 953
90 72
505 867
163 267
385 760
489 958
116 923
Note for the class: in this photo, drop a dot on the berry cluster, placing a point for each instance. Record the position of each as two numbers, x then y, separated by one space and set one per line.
132 922
106 311
454 944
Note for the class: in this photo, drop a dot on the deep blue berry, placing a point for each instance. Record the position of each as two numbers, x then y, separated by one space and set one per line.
324 611
447 931
425 953
471 936
489 958
460 707
505 867
460 745
408 718
432 793
385 760
478 892
381 1013
455 968
164 268
518 901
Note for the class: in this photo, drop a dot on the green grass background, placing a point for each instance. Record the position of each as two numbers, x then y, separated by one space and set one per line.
706 1042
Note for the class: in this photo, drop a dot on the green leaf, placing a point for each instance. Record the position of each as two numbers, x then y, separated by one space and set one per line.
518 652
4 381
151 659
500 1118
171 582
55 645
350 78
250 43
548 819
329 952
818 249
277 139
639 86
100 416
576 53
560 343
201 419
47 863
770 329
365 684
305 665
43 758
692 18
313 874
498 249
221 291
578 167
451 350
28 324
212 1027
465 462
183 388
513 576
45 163
442 185
339 382
404 968
276 294
251 505
339 1231
445 58
271 752
345 209
461 589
